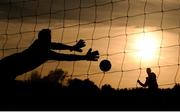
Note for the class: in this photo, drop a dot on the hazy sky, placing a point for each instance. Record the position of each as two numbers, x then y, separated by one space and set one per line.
124 21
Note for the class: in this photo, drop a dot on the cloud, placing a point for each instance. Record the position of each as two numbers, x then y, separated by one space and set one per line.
31 8
54 9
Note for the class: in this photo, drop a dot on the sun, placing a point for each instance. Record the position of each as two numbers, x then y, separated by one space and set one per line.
146 47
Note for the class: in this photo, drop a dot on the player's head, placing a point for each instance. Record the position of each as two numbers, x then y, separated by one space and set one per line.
148 70
45 35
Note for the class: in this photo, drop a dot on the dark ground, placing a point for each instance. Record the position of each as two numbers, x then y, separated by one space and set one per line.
84 95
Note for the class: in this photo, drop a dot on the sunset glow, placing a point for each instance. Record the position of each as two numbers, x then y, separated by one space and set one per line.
146 47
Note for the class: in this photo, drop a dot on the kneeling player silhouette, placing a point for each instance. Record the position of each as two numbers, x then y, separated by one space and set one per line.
40 52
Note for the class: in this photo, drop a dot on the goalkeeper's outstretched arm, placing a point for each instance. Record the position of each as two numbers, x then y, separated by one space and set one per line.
90 56
77 47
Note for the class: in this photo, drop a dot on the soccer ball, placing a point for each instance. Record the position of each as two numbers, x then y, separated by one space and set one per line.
105 65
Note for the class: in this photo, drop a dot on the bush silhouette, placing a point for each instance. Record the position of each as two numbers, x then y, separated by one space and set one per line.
49 93
57 75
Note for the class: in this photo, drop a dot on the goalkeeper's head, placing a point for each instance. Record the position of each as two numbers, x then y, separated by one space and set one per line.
45 35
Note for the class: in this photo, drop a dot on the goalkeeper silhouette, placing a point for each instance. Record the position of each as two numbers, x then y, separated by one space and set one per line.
151 81
40 52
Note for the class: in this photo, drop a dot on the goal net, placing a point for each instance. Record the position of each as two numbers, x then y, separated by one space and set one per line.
131 34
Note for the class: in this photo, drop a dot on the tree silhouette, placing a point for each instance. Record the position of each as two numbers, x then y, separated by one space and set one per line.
57 75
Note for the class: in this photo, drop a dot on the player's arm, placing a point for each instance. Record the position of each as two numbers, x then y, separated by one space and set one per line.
77 47
60 46
90 56
143 85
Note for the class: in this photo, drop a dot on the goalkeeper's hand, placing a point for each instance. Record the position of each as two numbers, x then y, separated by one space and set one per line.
77 47
92 56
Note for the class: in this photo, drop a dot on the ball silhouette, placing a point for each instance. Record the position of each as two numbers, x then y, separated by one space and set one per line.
105 65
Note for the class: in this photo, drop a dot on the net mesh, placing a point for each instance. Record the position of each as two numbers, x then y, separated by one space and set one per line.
132 34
